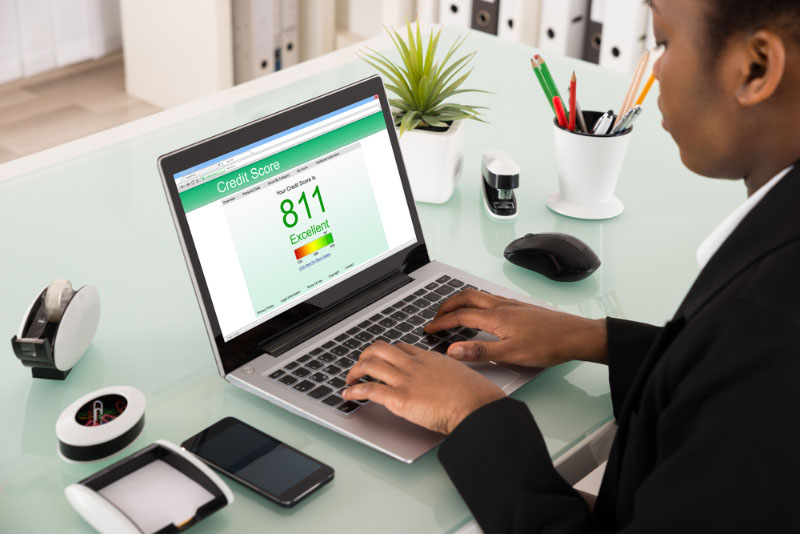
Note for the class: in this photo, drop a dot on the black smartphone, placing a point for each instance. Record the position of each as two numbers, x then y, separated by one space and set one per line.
262 463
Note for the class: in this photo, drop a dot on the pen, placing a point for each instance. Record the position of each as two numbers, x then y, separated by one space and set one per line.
603 123
625 121
573 88
560 113
635 116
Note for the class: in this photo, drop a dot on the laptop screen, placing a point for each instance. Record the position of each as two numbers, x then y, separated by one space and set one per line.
288 216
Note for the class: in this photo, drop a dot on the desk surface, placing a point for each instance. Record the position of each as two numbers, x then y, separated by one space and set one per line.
101 218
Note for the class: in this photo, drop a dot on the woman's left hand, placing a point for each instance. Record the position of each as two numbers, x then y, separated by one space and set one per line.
427 388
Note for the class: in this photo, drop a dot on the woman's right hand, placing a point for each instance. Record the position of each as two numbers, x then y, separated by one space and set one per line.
529 335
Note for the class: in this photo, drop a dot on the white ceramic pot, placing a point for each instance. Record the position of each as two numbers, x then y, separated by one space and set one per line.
433 162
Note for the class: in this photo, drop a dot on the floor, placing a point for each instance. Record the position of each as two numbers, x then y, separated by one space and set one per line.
65 104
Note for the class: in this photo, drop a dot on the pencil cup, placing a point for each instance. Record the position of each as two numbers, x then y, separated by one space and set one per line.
588 169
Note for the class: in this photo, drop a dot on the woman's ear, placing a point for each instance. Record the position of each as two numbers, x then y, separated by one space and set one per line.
763 67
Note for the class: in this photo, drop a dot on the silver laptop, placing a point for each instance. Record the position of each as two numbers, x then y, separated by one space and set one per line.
304 247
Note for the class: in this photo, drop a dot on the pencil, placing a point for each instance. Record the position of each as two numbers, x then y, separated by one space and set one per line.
548 78
581 118
634 87
646 89
573 86
560 113
543 84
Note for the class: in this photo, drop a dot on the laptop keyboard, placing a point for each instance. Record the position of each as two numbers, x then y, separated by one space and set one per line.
321 372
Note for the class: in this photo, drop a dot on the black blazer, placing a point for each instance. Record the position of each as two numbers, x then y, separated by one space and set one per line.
708 409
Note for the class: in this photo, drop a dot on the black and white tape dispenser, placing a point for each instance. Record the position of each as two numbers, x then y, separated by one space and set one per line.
57 329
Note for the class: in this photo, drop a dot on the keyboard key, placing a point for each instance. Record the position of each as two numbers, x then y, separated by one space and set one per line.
409 338
345 363
304 386
469 286
291 365
431 286
444 290
315 351
419 292
398 316
431 339
306 357
393 334
388 323
434 297
410 309
332 370
318 377
277 374
416 320
314 364
339 350
352 344
376 329
443 279
455 283
288 380
421 346
456 338
375 318
326 357
302 372
427 314
409 299
442 347
340 338
383 338
469 332
403 327
337 382
364 337
333 400
353 331
388 310
363 324
399 304
319 392
349 407
328 345
422 303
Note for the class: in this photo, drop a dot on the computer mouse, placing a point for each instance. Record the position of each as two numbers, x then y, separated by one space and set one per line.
559 257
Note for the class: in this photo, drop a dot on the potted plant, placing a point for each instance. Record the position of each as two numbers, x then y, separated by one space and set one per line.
431 129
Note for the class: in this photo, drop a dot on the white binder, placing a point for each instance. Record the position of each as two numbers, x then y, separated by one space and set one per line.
455 13
624 34
519 21
563 26
290 51
253 38
428 11
10 51
71 31
105 27
36 37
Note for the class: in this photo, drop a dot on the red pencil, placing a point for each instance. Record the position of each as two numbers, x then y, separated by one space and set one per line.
572 111
560 112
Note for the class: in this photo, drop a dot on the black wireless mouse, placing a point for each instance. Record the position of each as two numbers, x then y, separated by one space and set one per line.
559 257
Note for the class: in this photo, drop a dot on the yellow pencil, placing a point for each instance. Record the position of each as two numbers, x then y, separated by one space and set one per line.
646 89
634 88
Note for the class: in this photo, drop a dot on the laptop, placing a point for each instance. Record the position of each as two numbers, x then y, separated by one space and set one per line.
304 247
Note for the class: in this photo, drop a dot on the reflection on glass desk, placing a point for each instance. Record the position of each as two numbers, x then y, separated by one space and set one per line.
100 217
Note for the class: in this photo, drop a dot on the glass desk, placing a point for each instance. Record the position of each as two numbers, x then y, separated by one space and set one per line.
101 218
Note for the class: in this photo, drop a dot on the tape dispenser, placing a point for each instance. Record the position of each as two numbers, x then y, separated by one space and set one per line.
57 329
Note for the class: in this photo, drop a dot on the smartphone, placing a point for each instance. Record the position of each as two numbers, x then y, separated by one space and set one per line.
262 463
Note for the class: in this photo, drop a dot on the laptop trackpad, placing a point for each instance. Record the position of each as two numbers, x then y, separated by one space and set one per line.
499 375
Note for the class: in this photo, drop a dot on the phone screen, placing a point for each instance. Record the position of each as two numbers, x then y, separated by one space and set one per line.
261 462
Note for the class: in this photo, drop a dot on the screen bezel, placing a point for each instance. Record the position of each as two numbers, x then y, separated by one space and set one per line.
323 474
246 346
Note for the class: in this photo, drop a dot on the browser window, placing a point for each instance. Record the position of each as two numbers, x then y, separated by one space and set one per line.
282 219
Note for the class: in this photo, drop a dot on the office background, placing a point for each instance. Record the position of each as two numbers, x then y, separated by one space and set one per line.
69 68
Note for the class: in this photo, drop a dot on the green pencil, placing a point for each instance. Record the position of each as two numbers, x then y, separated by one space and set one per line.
544 85
548 78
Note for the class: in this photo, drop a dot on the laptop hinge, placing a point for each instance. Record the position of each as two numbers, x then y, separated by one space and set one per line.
280 344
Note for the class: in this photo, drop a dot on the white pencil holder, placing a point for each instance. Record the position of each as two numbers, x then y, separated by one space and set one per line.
588 170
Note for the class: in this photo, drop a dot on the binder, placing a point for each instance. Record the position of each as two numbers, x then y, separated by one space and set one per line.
624 34
36 39
455 13
10 51
594 31
428 11
253 38
484 15
518 20
563 26
317 27
290 51
105 27
70 32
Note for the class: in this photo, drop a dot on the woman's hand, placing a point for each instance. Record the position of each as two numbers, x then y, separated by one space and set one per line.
427 388
529 335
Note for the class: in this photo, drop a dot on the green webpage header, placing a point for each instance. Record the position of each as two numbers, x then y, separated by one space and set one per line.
244 177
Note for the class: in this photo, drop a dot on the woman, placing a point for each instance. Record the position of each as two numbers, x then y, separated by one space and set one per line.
706 405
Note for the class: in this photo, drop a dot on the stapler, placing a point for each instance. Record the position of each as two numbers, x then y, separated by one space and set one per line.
57 329
500 178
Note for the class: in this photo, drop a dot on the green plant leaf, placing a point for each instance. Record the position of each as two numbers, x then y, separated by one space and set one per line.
401 80
455 46
434 121
400 104
433 43
410 121
450 72
405 54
